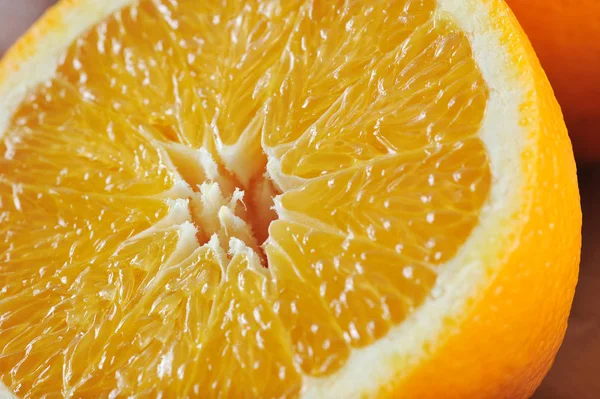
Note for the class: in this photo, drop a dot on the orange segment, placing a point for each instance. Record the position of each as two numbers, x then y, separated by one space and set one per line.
267 198
231 50
129 64
334 46
336 292
121 318
414 98
59 140
246 351
148 347
60 279
46 231
420 205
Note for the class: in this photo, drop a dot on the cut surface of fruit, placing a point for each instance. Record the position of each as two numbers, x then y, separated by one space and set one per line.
262 198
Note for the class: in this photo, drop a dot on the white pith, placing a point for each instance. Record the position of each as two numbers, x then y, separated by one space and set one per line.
505 139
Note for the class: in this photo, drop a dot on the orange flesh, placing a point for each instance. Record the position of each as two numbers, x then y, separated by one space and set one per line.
372 110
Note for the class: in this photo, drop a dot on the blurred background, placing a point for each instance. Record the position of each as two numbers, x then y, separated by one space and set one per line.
576 373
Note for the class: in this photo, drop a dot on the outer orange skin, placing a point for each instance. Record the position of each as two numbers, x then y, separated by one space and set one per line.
505 343
566 36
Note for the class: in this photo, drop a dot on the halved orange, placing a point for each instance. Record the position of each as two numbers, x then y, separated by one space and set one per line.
264 198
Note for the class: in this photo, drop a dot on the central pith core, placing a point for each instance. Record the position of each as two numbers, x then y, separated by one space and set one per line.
222 204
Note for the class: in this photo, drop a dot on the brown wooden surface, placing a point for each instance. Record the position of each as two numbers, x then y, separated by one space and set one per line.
576 373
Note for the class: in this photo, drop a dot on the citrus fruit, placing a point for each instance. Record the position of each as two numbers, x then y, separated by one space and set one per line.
565 35
268 198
